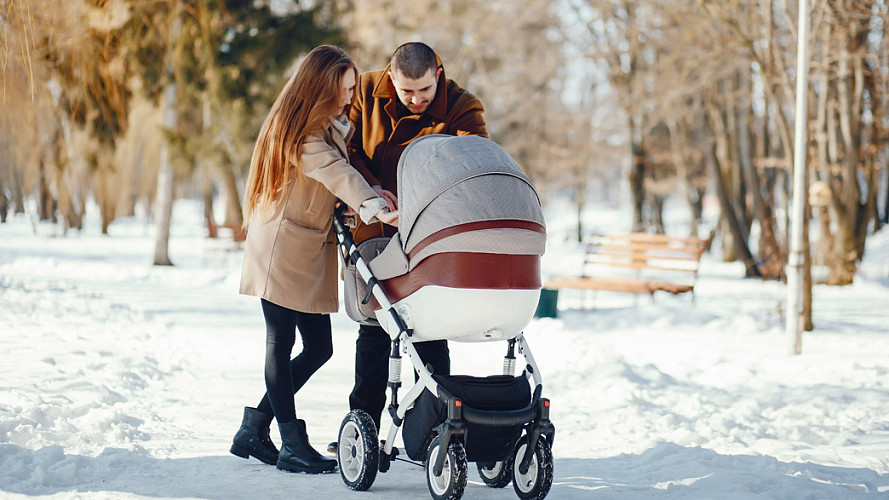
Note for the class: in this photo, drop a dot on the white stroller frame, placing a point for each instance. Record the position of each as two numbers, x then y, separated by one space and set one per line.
535 416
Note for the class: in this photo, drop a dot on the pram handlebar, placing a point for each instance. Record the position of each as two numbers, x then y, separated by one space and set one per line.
343 234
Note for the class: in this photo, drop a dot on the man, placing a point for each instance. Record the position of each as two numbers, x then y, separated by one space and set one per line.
408 99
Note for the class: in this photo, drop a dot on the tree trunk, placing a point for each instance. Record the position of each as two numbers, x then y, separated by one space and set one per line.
637 175
104 190
847 198
825 151
579 203
71 210
233 214
18 194
884 195
808 325
209 218
718 155
771 256
656 215
682 174
47 202
163 202
867 210
4 204
732 160
728 212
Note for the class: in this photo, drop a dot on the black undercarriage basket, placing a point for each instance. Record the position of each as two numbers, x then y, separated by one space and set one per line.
483 443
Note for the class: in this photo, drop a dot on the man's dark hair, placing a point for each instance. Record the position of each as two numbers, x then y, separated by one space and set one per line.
413 60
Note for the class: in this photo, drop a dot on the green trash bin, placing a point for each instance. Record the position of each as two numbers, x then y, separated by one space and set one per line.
548 306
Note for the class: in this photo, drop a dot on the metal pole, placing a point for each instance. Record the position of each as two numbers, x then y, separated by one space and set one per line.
795 259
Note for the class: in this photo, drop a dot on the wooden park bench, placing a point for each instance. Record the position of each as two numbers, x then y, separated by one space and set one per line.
637 263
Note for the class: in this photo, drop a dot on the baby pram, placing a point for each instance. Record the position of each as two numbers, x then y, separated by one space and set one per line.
464 266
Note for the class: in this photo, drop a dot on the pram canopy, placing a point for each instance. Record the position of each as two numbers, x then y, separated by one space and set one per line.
461 194
470 237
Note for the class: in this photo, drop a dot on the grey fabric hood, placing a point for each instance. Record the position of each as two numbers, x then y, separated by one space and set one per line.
448 181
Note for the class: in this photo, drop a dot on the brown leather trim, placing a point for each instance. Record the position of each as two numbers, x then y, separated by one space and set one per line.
468 270
476 226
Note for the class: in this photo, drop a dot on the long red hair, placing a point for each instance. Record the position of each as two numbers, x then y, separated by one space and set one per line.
309 98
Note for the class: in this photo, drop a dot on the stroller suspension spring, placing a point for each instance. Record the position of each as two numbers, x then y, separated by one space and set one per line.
509 366
394 370
509 359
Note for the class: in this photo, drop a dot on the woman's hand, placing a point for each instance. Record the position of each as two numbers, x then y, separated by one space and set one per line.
390 198
388 217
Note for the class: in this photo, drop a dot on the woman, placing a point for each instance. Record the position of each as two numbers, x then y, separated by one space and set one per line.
297 172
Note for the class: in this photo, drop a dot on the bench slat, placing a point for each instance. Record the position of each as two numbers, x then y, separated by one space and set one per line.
644 256
643 265
628 285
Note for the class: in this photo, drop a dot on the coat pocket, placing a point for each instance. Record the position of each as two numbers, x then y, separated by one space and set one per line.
298 264
301 225
324 233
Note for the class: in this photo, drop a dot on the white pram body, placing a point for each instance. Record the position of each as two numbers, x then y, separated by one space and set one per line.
464 266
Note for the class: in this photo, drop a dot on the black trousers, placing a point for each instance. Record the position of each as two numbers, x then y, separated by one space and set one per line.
285 376
372 368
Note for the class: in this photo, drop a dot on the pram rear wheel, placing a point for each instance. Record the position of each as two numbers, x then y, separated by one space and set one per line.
452 481
496 474
535 483
358 450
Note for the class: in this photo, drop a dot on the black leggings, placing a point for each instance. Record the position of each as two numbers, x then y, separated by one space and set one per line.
285 376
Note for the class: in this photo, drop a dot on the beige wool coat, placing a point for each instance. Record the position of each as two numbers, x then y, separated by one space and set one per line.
290 254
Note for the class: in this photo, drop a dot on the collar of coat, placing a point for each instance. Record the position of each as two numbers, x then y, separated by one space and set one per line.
340 133
384 89
341 124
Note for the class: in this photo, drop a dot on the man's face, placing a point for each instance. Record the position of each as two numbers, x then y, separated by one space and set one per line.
417 94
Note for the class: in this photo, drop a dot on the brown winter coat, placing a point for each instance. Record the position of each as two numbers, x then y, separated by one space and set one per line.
290 254
381 135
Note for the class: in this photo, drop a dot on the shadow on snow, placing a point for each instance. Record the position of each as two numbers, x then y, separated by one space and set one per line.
665 471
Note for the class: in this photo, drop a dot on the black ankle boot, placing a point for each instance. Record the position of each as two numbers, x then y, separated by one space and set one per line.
252 439
297 455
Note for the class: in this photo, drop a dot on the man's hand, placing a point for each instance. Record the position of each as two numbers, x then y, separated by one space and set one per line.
388 217
390 198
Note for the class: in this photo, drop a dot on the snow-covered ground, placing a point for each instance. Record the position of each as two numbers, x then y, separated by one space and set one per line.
123 380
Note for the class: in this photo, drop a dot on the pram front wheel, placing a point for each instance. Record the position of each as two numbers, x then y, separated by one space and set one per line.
449 485
535 483
496 474
358 450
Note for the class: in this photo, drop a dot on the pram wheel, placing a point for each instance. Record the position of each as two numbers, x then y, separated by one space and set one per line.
358 453
535 483
496 474
452 481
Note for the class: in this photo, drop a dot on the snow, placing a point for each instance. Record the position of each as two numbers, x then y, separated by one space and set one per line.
119 379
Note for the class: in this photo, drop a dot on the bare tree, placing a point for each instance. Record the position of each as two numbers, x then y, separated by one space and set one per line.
506 52
848 135
71 82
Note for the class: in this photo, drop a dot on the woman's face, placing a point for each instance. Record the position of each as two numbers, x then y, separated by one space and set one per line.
347 90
